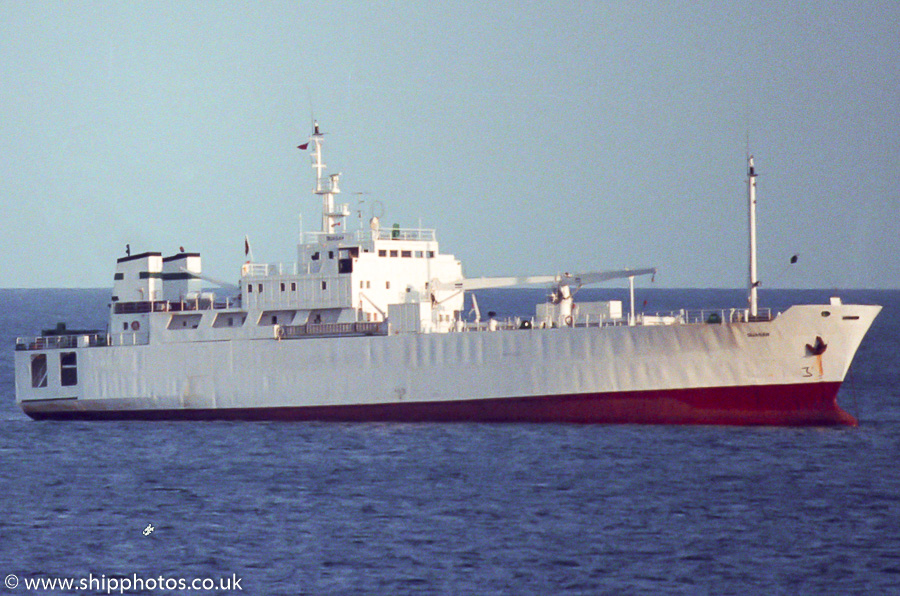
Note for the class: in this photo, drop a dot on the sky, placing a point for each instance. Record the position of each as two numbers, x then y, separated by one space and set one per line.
536 138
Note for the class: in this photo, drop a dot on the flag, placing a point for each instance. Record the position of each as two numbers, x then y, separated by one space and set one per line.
246 245
303 146
794 259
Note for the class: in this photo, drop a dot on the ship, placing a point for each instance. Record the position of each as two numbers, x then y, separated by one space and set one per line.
373 325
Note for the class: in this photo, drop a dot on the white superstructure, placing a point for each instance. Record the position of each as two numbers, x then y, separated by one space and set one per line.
346 276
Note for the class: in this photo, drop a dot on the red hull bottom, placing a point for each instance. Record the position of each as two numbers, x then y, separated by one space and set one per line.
813 404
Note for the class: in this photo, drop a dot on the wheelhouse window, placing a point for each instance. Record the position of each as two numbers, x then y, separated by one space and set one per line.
39 370
68 369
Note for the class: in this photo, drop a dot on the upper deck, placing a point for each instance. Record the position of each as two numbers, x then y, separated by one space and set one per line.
369 236
210 312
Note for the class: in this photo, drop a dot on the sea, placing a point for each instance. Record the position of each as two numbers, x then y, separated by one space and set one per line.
333 508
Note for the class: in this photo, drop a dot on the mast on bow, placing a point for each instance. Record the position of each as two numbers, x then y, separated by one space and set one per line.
753 280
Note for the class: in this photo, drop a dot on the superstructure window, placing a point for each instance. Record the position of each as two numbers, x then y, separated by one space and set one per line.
68 369
39 370
324 285
429 254
382 253
418 254
315 256
293 286
282 286
406 254
249 288
259 287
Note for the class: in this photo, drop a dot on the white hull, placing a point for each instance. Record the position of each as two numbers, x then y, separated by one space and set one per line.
400 370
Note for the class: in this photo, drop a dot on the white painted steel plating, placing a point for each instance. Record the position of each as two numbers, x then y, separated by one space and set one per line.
417 367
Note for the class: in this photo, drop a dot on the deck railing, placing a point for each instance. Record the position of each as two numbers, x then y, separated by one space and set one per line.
323 329
720 316
404 234
267 269
681 317
421 234
96 340
711 316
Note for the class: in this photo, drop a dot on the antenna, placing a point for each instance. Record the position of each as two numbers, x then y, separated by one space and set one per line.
359 207
312 113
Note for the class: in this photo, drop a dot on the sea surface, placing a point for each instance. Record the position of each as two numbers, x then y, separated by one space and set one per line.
313 508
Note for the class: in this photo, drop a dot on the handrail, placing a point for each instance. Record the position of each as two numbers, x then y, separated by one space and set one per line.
267 269
425 234
420 234
681 317
318 329
94 340
713 316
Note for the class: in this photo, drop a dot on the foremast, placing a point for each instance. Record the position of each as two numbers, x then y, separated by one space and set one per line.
753 280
